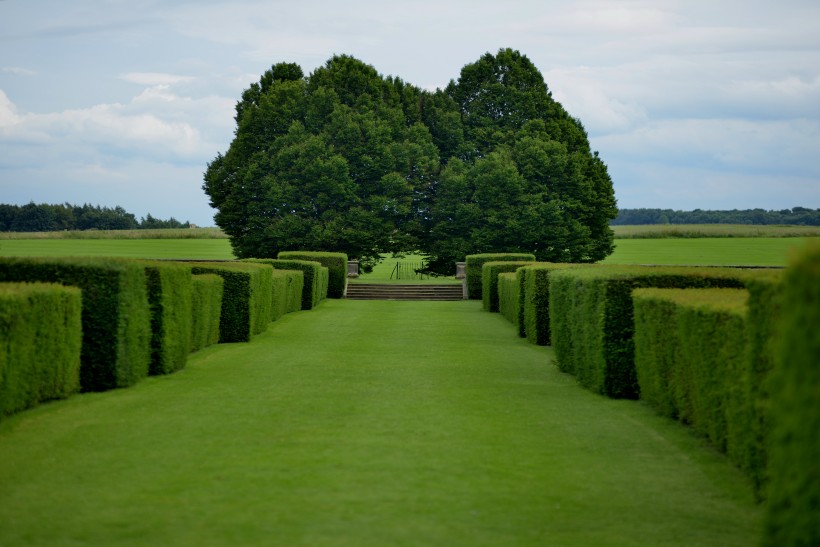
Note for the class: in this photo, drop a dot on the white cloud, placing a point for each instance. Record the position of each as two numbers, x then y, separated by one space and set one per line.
18 71
8 112
154 78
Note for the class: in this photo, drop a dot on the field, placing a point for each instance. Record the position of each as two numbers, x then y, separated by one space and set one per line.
409 424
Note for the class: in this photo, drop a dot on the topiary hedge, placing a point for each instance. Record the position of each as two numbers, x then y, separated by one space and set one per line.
314 278
40 343
287 292
534 316
489 281
508 301
474 264
246 298
116 346
169 298
793 511
336 263
206 309
591 317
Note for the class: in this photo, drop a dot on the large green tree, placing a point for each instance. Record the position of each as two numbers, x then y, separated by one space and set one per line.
348 160
337 161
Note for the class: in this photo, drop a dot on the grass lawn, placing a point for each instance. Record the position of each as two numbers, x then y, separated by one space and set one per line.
753 251
385 272
409 424
204 249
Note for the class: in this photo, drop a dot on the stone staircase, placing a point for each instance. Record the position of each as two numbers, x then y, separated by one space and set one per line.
392 291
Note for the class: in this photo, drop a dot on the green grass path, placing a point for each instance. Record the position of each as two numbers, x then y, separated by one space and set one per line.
365 423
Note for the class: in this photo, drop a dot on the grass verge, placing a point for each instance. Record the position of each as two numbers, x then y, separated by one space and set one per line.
409 424
756 251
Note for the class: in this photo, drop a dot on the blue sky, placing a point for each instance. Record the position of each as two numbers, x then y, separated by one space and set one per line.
691 103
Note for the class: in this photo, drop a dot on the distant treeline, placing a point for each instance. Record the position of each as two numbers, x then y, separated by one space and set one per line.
799 216
54 218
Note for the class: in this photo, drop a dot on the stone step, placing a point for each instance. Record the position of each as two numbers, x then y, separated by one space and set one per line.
374 291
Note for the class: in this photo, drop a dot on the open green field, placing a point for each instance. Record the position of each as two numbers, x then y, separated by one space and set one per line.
205 249
409 424
752 251
655 231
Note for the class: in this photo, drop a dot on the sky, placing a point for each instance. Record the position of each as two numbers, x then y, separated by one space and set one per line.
692 104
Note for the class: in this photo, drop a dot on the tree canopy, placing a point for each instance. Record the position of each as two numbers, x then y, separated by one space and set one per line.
348 160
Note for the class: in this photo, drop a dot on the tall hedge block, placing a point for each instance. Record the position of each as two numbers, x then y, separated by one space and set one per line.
508 288
287 292
591 317
336 263
489 281
206 310
474 264
116 348
691 363
169 298
246 298
40 342
793 512
314 278
534 300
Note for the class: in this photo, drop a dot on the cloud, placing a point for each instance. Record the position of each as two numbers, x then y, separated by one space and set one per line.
154 78
18 71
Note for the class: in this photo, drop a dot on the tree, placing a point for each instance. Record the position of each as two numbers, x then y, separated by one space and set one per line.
523 178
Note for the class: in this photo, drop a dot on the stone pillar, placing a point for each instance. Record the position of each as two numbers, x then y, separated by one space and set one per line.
353 268
461 270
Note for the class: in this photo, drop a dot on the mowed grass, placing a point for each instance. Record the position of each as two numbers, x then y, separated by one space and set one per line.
203 249
409 424
754 251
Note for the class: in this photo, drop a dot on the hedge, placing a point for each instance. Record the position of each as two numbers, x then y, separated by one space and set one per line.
40 343
116 346
169 298
314 281
489 281
246 298
591 316
474 264
287 292
793 512
508 301
691 361
534 316
336 263
206 308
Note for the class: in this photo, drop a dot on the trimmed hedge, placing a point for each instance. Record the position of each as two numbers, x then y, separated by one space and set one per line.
793 512
206 309
116 347
474 264
691 362
287 292
591 317
508 301
314 278
246 298
534 314
40 343
489 281
336 263
169 298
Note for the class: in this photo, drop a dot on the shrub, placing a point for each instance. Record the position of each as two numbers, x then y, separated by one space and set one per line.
314 283
169 298
40 342
534 316
336 263
206 308
116 347
591 317
474 263
287 292
793 512
690 359
246 297
489 281
508 289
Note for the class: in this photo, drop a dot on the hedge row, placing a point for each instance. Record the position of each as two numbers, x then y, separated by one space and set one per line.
489 280
170 301
40 343
116 323
336 263
508 296
206 310
474 264
793 513
314 278
288 286
534 316
592 324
